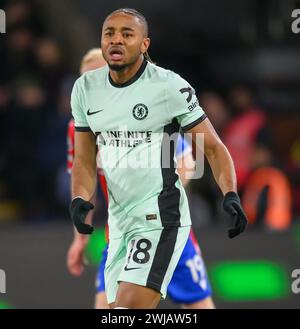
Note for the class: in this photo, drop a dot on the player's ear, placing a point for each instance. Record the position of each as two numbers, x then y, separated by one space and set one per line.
145 45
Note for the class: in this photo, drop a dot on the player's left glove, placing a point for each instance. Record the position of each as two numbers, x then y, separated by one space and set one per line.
232 205
78 211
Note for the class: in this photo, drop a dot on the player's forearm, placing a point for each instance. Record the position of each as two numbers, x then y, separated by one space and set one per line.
83 179
222 167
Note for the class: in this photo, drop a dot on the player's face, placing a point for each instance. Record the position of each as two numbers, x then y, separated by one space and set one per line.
123 40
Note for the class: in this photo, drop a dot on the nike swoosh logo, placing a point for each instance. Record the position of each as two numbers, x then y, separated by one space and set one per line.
91 113
130 268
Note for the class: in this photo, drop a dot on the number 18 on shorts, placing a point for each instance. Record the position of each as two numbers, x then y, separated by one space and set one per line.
146 258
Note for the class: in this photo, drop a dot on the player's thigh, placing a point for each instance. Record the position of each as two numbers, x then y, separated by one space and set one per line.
134 296
150 262
115 262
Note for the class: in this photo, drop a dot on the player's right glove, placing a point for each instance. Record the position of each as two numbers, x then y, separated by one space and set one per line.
232 205
78 211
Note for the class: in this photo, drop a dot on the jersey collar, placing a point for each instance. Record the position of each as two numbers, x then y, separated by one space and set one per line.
132 80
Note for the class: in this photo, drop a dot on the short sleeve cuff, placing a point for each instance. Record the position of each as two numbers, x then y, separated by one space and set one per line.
194 123
83 129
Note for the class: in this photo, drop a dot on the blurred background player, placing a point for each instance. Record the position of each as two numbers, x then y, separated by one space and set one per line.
189 285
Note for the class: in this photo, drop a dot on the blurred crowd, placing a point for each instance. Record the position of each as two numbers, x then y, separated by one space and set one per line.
35 86
268 181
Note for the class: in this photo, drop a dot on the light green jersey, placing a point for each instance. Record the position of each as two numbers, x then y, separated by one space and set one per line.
133 122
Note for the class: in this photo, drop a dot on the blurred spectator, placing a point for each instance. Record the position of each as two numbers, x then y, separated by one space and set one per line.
27 13
267 193
52 142
18 12
18 54
216 110
26 121
5 100
49 66
241 132
52 149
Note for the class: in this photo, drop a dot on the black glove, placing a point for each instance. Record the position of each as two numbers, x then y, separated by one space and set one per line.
78 211
232 205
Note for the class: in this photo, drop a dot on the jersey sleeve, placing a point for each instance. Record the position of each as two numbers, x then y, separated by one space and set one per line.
183 103
80 121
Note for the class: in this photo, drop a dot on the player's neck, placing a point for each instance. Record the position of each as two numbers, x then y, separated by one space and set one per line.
120 77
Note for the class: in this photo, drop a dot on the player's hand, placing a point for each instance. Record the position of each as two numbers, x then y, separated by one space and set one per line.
78 211
232 205
75 257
